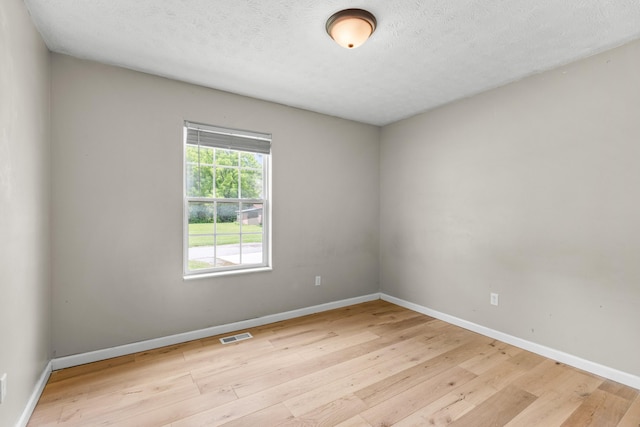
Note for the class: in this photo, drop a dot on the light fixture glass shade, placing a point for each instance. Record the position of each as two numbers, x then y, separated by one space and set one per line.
350 28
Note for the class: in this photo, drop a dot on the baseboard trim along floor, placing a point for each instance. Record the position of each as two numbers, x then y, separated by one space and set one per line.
94 356
557 355
569 359
35 396
122 350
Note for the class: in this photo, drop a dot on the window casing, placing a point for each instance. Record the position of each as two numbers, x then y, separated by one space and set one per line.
226 200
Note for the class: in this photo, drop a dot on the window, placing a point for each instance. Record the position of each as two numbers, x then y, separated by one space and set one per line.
226 200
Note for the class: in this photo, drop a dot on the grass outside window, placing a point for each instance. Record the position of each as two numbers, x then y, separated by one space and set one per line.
202 234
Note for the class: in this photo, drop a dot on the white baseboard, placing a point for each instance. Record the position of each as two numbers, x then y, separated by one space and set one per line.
35 396
560 356
94 356
108 353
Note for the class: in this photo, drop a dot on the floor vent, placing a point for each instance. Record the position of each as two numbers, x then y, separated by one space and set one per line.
234 338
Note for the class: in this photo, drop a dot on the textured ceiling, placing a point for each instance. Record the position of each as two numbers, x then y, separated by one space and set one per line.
424 53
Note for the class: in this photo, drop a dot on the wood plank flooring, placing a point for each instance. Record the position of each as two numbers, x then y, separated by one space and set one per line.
372 364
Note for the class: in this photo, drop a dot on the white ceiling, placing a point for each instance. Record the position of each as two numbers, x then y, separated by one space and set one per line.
424 53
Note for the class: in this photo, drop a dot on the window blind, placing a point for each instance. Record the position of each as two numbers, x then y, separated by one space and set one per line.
212 136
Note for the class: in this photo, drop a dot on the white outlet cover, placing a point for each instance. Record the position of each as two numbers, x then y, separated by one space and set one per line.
494 299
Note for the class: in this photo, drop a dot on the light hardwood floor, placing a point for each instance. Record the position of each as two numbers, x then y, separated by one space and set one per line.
371 364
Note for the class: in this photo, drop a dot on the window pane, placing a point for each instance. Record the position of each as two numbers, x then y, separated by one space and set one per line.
252 249
201 216
191 154
251 217
206 155
206 181
226 217
228 254
199 181
251 184
200 257
251 160
199 174
223 228
198 265
192 180
226 157
198 235
201 239
226 183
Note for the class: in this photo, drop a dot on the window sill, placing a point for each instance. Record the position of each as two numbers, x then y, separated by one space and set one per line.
226 273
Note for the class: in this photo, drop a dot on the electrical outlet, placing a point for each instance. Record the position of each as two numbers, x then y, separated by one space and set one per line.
3 387
494 299
318 280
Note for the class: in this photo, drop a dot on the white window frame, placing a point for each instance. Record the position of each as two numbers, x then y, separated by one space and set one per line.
239 141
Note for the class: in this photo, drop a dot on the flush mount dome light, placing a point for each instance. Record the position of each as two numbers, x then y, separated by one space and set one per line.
350 28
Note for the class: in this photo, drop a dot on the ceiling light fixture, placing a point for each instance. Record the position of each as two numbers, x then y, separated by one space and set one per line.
350 28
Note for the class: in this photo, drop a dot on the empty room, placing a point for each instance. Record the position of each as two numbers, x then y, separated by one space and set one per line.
263 213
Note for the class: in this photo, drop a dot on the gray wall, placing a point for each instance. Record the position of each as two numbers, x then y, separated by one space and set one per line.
25 314
117 211
531 191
